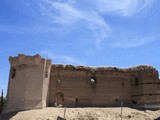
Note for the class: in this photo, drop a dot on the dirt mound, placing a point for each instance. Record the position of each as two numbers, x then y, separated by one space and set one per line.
84 114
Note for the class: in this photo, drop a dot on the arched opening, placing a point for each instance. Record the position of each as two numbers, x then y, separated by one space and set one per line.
59 100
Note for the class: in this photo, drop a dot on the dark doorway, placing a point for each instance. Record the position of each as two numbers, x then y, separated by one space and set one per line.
59 101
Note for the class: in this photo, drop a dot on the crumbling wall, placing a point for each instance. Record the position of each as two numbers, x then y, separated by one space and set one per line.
34 83
110 86
27 82
72 85
145 84
69 87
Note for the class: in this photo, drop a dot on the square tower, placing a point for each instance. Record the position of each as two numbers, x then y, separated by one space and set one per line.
28 83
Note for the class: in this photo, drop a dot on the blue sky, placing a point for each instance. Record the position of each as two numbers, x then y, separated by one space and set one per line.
120 33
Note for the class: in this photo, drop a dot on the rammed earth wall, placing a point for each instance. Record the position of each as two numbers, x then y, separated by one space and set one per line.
36 83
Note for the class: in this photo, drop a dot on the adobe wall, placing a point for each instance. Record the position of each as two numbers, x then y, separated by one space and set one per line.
146 90
112 85
36 83
28 84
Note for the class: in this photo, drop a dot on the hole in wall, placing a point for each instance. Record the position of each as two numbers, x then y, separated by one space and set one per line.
76 101
134 101
13 73
93 80
122 84
46 74
136 81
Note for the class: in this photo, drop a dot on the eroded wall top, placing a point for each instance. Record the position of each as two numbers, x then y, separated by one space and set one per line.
136 69
27 60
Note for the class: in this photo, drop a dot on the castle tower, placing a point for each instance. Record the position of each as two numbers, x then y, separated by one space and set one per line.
28 83
146 87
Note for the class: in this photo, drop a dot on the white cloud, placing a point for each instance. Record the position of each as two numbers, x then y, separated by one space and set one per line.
71 14
67 14
130 42
62 59
26 30
122 7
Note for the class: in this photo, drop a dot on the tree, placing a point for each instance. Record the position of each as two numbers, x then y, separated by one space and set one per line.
2 101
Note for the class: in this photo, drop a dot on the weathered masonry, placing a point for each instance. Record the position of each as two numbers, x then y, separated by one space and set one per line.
36 83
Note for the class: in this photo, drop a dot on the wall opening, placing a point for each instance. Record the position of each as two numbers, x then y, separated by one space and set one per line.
136 81
93 80
13 73
59 99
76 102
122 84
46 74
134 102
58 76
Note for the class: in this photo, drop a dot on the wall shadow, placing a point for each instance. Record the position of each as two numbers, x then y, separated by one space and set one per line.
157 118
7 116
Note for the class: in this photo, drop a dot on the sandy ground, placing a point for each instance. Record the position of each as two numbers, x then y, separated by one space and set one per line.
86 114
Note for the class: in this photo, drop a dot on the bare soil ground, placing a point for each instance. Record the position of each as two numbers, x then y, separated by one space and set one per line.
84 114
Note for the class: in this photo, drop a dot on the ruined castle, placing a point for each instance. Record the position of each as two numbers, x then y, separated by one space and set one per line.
35 83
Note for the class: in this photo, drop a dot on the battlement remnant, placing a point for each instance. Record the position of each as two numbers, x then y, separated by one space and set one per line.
27 60
34 82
